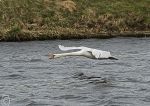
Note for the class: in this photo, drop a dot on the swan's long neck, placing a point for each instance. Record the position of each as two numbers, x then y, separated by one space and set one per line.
68 54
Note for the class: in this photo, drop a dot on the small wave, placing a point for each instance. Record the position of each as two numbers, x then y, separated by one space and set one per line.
1 66
23 100
83 76
19 60
69 97
90 79
36 60
36 67
146 99
116 63
118 103
98 81
17 67
33 103
13 76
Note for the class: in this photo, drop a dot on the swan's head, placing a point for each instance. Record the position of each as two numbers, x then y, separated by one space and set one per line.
51 56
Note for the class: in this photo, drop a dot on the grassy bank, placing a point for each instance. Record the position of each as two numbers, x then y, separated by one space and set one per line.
65 19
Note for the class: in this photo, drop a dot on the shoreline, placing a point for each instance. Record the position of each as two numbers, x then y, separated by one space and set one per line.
25 35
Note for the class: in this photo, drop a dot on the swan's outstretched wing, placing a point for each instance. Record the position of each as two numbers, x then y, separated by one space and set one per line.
70 48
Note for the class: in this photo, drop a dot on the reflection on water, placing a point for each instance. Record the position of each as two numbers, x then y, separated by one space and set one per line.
31 79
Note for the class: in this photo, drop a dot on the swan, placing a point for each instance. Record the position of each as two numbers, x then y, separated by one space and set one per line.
83 51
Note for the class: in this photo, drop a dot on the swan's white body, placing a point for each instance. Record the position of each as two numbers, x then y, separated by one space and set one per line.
84 51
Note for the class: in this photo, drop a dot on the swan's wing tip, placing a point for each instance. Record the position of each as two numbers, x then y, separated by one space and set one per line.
59 45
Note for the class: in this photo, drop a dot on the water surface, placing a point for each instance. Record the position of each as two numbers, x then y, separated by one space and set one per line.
31 79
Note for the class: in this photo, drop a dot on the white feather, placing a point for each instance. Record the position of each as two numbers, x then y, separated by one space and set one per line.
69 48
96 53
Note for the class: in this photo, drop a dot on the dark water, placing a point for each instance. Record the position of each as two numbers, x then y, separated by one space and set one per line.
31 79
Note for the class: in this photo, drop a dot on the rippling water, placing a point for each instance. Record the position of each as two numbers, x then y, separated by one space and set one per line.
29 78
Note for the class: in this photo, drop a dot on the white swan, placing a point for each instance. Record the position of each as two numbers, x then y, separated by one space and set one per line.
83 51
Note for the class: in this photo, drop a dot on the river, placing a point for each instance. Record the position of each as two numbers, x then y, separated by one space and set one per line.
29 78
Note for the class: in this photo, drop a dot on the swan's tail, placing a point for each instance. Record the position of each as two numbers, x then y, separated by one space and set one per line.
69 48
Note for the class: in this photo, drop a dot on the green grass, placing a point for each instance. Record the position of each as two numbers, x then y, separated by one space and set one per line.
66 19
